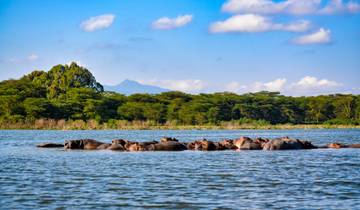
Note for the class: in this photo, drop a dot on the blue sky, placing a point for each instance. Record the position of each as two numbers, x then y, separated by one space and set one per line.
296 47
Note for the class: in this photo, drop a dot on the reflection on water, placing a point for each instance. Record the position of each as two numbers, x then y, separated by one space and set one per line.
34 178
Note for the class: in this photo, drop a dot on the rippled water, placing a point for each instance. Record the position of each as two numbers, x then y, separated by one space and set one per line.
34 178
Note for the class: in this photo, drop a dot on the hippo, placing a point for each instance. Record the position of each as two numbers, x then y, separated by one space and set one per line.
139 146
203 145
286 143
246 143
167 139
122 142
354 146
87 144
261 141
167 146
226 144
116 147
49 145
337 145
103 146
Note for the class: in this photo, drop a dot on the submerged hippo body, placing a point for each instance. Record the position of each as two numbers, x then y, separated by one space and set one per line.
227 144
116 147
203 145
287 144
49 145
340 146
86 144
139 146
354 146
167 139
167 146
246 143
103 146
172 144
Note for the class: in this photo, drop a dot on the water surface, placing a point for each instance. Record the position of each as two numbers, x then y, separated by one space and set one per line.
35 178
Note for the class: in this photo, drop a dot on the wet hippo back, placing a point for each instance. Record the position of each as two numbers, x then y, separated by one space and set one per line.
284 144
87 144
246 143
167 146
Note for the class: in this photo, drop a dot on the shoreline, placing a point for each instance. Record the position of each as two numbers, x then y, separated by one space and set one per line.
179 127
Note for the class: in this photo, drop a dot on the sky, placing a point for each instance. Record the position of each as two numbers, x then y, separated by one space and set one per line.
296 47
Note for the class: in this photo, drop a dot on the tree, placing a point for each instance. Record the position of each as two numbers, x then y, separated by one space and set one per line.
61 78
131 111
155 112
36 108
319 109
9 105
344 107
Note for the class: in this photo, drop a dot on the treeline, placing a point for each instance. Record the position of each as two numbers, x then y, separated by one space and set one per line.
71 93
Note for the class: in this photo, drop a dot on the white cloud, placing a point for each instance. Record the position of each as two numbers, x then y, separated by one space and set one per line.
235 87
256 23
294 7
97 22
189 85
32 57
322 36
305 86
299 26
275 85
337 6
166 23
353 7
313 83
297 7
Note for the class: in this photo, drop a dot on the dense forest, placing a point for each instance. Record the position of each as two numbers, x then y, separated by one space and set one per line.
71 93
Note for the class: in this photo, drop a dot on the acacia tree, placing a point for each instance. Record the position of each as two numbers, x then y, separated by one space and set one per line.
344 106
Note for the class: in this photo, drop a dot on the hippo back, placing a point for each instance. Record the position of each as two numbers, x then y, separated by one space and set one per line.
167 146
283 144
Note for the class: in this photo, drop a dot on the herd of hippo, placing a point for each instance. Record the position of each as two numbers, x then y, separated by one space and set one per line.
172 144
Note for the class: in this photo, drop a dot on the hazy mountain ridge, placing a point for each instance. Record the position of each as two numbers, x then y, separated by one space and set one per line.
129 87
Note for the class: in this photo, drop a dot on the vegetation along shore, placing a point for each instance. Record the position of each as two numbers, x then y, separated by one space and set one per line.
69 97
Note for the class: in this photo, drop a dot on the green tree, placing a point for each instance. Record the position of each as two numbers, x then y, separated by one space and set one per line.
131 111
36 108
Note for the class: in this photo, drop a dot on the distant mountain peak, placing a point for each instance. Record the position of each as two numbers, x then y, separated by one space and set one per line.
129 87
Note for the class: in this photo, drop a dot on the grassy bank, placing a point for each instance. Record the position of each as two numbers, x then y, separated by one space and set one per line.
45 124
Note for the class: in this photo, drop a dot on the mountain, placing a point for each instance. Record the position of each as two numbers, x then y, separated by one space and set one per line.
129 87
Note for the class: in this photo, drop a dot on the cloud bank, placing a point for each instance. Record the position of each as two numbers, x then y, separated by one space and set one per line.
256 23
293 7
307 85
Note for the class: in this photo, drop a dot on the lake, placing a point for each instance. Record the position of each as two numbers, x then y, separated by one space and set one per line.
36 178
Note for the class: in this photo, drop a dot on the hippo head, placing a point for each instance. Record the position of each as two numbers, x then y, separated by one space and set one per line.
336 145
122 142
242 140
167 139
308 145
204 145
74 144
135 146
261 141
